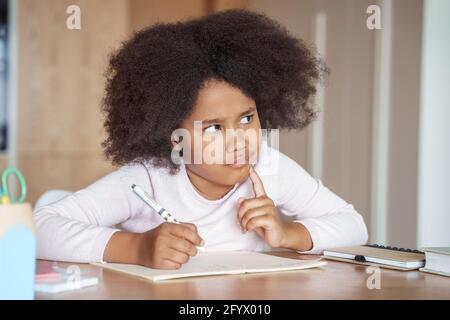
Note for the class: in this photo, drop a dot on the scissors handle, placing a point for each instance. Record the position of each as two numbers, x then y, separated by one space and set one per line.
22 183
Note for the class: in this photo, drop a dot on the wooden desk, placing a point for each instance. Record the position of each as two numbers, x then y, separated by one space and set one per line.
336 280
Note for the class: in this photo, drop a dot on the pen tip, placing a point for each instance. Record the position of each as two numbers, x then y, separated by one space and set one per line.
132 186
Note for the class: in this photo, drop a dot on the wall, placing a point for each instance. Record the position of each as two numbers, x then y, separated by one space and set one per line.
3 161
60 86
404 123
434 151
143 13
347 109
60 82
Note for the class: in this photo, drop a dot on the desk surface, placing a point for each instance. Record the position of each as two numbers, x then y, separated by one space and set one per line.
336 280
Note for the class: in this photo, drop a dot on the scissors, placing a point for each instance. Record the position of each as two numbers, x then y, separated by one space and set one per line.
5 195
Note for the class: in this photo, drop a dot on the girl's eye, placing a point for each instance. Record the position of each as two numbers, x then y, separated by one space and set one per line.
213 129
247 119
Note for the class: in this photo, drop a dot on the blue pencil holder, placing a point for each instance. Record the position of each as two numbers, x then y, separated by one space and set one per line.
17 252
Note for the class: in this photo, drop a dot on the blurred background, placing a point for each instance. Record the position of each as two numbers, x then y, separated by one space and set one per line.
381 141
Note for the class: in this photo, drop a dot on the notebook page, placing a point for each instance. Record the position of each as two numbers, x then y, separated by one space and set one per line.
212 263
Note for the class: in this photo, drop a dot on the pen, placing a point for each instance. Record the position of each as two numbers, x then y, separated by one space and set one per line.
158 208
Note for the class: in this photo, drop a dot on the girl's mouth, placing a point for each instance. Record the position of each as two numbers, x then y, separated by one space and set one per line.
237 165
240 162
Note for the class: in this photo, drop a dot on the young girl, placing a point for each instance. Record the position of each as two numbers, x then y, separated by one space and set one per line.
235 70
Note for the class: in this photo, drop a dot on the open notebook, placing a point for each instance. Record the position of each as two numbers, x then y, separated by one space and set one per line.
216 263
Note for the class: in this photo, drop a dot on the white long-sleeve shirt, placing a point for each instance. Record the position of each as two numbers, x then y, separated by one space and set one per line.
78 227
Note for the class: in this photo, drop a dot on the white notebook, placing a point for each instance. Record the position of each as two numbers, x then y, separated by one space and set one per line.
218 263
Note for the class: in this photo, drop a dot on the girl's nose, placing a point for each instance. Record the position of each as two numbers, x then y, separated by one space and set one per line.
235 141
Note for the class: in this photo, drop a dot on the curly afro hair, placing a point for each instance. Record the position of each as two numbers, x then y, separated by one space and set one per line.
154 78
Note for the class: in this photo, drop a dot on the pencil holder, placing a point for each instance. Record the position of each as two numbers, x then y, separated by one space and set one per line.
17 252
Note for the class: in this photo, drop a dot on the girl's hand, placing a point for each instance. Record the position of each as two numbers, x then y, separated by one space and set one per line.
168 246
260 214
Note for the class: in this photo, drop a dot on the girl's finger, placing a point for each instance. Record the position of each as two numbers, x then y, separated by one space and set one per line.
258 186
260 232
182 245
265 221
176 256
252 203
186 232
168 264
251 213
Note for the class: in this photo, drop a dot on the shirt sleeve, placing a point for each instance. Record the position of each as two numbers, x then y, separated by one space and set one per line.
331 221
78 227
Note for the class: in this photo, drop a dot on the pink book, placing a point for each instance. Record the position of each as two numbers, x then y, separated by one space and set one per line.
46 271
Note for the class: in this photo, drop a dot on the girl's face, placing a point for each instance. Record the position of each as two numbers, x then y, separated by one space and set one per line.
228 136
